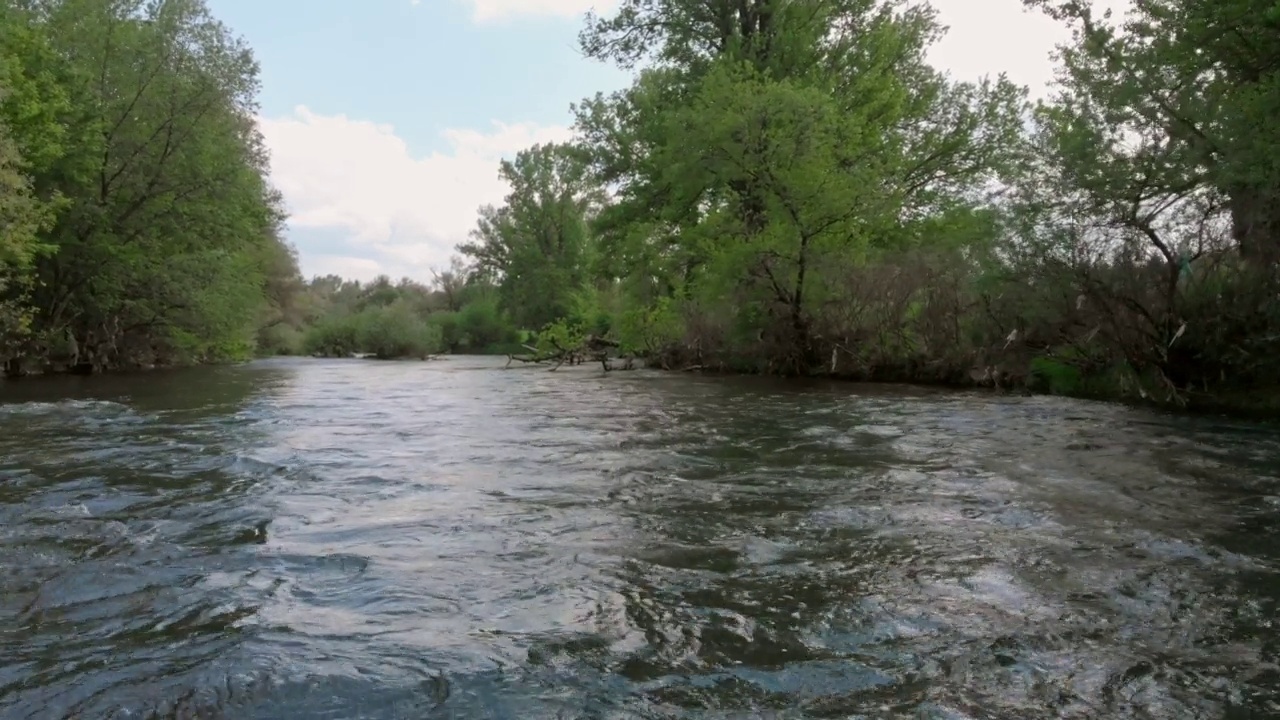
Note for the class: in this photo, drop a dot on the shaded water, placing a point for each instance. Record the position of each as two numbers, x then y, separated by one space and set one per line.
310 539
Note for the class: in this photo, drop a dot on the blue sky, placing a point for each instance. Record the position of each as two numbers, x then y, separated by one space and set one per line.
386 118
422 68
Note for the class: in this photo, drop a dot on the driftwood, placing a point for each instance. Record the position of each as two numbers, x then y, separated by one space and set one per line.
533 357
592 348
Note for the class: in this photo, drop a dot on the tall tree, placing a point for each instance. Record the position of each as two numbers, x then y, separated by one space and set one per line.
168 234
21 216
536 245
772 138
1177 102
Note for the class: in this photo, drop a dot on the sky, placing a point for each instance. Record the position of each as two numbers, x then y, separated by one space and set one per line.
386 119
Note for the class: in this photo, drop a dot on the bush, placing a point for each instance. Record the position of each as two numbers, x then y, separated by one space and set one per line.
280 339
449 325
396 331
560 336
334 336
648 330
1054 376
481 325
587 310
388 332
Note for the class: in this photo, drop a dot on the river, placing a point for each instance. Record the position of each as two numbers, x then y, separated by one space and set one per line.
355 539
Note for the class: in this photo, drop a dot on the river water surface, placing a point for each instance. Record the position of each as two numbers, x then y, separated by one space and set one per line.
315 539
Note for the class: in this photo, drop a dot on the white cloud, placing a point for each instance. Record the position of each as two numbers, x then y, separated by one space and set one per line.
346 266
360 178
404 214
490 10
987 37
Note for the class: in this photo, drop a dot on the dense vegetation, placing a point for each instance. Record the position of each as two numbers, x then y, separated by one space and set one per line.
138 227
333 317
137 223
786 187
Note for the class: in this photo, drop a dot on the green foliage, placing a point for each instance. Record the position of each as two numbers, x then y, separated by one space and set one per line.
560 336
587 309
333 317
337 336
482 326
448 324
1055 376
34 95
386 332
154 237
280 339
21 216
646 330
535 246
396 331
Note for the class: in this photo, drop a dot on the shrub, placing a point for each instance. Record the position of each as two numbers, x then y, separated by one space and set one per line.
280 339
334 336
396 331
481 325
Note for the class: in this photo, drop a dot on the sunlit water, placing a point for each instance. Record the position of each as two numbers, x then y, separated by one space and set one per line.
307 539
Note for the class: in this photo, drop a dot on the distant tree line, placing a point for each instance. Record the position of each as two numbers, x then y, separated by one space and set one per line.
334 317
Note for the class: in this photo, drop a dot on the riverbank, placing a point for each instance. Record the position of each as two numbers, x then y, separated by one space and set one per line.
1011 372
1044 379
84 370
1261 404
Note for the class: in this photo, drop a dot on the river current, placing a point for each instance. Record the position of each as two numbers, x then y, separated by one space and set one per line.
449 539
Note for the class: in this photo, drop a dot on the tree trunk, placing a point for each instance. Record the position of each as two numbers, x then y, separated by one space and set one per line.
13 368
799 323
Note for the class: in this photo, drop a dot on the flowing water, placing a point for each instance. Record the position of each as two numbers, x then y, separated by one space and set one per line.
351 539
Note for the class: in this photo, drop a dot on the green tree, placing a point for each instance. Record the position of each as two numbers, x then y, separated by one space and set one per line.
21 216
1155 166
1178 103
536 246
773 146
397 331
138 119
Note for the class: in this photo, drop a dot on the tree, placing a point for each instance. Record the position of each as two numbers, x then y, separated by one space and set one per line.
1180 99
166 242
1156 166
21 216
451 283
536 246
771 139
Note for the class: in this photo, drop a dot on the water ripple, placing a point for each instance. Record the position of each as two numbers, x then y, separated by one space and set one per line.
452 540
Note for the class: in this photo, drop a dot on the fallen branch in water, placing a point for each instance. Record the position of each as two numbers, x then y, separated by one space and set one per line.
592 348
531 359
